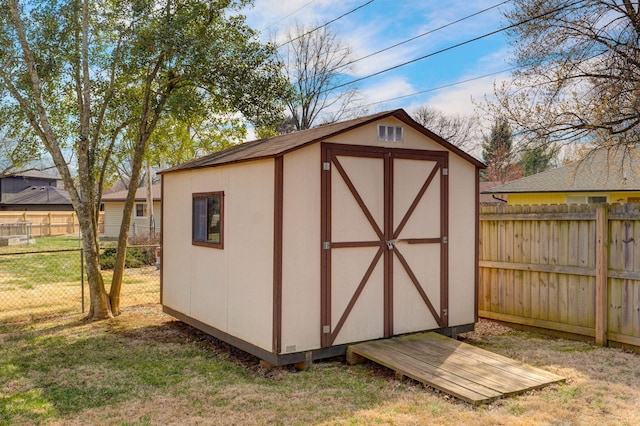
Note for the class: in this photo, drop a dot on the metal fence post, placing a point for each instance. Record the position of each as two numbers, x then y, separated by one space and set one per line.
82 276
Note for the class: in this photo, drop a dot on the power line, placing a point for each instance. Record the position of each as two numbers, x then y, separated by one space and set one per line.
452 47
326 24
427 33
290 14
433 89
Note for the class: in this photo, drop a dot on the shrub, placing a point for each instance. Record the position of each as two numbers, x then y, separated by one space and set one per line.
136 257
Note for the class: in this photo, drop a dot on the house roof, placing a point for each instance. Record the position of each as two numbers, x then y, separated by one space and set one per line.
485 198
141 194
279 145
38 195
34 174
600 172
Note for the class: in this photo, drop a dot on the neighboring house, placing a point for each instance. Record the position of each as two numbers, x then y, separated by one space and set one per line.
490 199
33 191
140 222
604 177
295 246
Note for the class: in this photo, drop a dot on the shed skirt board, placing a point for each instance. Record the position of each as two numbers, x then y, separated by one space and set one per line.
464 371
384 230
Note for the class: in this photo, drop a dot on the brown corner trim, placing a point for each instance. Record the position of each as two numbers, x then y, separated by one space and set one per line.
277 252
161 236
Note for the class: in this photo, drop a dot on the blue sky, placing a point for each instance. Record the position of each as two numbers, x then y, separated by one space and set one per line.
384 23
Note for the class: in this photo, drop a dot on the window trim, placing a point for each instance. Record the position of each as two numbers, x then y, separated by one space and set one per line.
220 244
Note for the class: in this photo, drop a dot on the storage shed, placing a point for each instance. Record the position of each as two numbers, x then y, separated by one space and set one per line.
292 247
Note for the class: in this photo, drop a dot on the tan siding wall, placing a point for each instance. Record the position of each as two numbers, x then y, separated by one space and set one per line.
230 289
462 244
301 250
368 135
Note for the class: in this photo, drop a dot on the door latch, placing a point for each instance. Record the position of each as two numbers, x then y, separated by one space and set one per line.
390 244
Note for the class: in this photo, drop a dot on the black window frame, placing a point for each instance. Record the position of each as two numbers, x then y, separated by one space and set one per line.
206 242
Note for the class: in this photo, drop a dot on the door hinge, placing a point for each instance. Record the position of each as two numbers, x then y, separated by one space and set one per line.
326 245
445 240
445 172
326 329
445 312
326 165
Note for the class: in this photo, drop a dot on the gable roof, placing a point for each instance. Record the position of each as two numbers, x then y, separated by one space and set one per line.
141 194
279 145
38 195
601 171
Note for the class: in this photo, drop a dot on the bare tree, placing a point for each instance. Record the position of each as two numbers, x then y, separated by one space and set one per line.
315 62
579 72
458 129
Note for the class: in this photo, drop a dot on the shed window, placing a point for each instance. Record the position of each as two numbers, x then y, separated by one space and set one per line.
389 133
141 210
208 219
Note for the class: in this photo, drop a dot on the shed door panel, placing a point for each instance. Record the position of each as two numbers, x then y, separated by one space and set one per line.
416 257
382 226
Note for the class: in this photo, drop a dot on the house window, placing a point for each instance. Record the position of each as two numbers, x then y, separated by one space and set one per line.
141 210
576 199
390 133
597 200
207 224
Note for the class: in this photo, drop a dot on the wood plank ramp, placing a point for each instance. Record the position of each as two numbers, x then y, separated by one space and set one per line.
464 371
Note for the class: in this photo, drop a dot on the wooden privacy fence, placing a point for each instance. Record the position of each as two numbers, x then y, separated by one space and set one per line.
568 268
45 223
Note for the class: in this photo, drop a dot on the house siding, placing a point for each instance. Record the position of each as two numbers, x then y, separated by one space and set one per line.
113 212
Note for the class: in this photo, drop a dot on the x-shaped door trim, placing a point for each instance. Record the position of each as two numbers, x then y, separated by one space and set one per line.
388 237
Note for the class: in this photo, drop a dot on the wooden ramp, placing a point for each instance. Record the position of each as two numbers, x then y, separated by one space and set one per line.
472 374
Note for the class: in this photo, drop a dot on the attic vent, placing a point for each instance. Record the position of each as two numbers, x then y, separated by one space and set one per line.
390 133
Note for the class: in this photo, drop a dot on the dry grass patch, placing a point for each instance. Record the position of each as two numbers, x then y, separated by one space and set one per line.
146 368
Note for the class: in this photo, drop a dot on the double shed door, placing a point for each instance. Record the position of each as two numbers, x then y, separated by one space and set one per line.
384 249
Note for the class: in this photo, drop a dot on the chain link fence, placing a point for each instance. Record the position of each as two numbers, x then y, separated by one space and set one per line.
37 284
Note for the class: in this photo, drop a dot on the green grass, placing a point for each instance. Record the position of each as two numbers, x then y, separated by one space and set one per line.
45 243
145 368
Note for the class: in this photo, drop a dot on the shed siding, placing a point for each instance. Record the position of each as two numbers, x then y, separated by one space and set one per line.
301 251
368 135
462 243
230 288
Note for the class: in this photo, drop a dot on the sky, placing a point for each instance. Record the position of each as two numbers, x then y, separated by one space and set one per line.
383 23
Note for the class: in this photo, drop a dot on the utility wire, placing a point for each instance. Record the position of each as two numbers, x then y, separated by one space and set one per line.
433 89
326 24
292 13
542 15
426 33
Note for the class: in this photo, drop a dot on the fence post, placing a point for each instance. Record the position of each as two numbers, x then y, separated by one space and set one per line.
602 266
82 277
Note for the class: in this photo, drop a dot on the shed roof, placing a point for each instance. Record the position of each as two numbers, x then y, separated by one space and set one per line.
38 195
601 171
279 145
141 194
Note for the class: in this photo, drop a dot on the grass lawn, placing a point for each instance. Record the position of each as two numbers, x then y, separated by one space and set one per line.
42 279
146 368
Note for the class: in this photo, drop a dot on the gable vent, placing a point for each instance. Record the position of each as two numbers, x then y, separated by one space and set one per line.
390 133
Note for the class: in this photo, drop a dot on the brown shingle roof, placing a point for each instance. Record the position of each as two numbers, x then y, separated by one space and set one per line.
278 145
601 171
